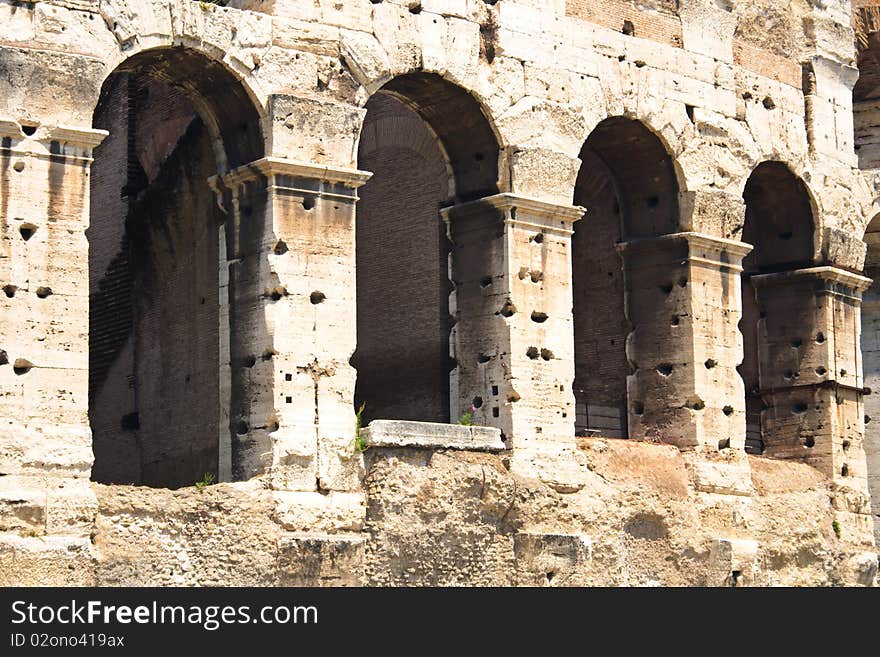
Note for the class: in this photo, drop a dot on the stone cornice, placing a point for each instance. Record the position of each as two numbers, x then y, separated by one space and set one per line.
823 273
272 166
519 210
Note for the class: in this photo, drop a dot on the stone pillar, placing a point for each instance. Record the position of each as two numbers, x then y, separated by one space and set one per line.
811 370
684 304
812 383
45 440
291 253
513 338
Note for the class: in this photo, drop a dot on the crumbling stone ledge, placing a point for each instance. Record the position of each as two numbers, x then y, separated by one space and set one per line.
432 435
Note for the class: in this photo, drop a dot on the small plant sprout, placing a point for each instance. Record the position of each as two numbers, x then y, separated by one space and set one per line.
360 444
206 481
467 418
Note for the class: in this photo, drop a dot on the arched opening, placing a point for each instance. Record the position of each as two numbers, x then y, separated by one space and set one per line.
871 364
779 225
159 337
866 91
628 185
428 145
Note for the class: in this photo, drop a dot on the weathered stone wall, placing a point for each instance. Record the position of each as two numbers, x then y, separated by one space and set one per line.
512 90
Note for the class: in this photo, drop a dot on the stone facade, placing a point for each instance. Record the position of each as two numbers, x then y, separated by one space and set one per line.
579 222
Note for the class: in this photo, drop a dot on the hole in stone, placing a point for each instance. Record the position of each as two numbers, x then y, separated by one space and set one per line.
317 297
546 354
27 231
495 390
241 428
273 425
821 371
308 203
539 238
638 408
28 130
43 292
788 374
710 363
269 354
495 411
796 343
532 352
131 422
676 320
550 576
508 309
278 293
820 338
628 28
666 289
22 366
486 281
513 397
4 359
727 410
416 8
483 359
9 290
696 403
845 444
280 248
540 318
682 282
800 408
288 400
665 369
724 443
249 361
809 441
18 166
537 276
842 372
478 402
844 470
734 577
689 110
768 103
288 377
867 419
652 201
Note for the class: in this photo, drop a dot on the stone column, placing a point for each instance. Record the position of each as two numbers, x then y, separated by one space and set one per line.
811 379
684 304
45 440
513 338
291 253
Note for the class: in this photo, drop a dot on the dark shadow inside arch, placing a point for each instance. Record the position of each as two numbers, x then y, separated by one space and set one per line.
428 145
627 183
162 327
779 225
870 344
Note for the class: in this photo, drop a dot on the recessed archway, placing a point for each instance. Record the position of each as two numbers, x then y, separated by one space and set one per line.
429 145
779 225
159 342
871 364
628 185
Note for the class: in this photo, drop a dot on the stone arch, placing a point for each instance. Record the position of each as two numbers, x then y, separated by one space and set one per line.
866 91
429 144
164 328
629 185
870 346
780 224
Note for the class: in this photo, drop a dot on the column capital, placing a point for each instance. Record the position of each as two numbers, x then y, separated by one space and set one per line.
708 249
519 210
295 176
54 140
826 273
